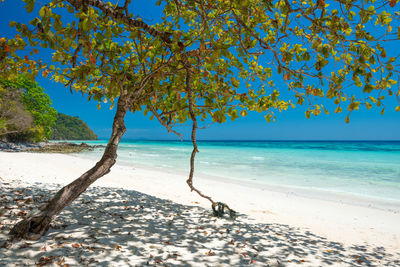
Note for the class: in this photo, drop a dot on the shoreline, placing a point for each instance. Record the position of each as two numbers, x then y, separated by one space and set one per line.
362 200
338 221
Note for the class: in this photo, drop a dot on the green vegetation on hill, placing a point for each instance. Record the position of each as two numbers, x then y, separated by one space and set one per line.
71 128
26 113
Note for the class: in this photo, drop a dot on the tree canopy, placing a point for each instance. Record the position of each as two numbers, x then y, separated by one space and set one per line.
320 50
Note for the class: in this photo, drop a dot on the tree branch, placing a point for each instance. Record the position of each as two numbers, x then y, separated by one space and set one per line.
116 14
163 123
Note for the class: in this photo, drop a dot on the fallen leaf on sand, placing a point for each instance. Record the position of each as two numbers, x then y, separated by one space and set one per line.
21 213
45 260
5 245
61 262
25 245
210 253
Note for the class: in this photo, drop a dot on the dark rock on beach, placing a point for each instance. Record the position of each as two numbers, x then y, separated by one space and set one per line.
46 147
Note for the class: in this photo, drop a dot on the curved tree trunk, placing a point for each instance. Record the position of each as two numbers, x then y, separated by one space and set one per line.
38 223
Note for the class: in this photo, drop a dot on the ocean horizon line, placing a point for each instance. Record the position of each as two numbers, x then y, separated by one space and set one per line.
245 140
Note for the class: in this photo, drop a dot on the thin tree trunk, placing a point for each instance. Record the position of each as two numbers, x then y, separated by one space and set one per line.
37 224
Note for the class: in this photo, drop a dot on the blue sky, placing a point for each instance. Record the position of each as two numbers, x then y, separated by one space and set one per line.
290 125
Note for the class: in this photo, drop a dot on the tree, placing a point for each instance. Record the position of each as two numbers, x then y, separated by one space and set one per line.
13 116
209 60
36 103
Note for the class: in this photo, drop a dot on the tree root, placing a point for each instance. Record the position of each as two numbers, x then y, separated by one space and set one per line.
219 209
31 228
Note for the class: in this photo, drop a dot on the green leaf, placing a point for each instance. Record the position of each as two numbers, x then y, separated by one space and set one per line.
85 24
42 11
368 88
30 4
338 109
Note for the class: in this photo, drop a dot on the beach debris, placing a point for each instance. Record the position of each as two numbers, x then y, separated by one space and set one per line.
210 253
45 260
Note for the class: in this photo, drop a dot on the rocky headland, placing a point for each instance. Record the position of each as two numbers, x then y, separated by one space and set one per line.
46 147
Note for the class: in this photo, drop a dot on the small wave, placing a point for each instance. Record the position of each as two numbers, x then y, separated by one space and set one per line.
177 149
149 155
258 158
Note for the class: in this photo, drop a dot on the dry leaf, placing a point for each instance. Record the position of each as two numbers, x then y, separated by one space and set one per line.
25 245
45 260
210 253
61 262
7 48
5 245
76 245
21 213
92 59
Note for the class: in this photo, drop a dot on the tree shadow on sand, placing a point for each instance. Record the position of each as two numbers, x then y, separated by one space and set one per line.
110 227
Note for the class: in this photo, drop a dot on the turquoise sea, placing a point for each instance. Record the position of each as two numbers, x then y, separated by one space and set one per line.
355 168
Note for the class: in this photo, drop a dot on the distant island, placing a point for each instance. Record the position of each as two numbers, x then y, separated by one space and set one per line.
71 128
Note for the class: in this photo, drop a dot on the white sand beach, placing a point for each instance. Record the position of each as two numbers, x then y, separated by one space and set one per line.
136 216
